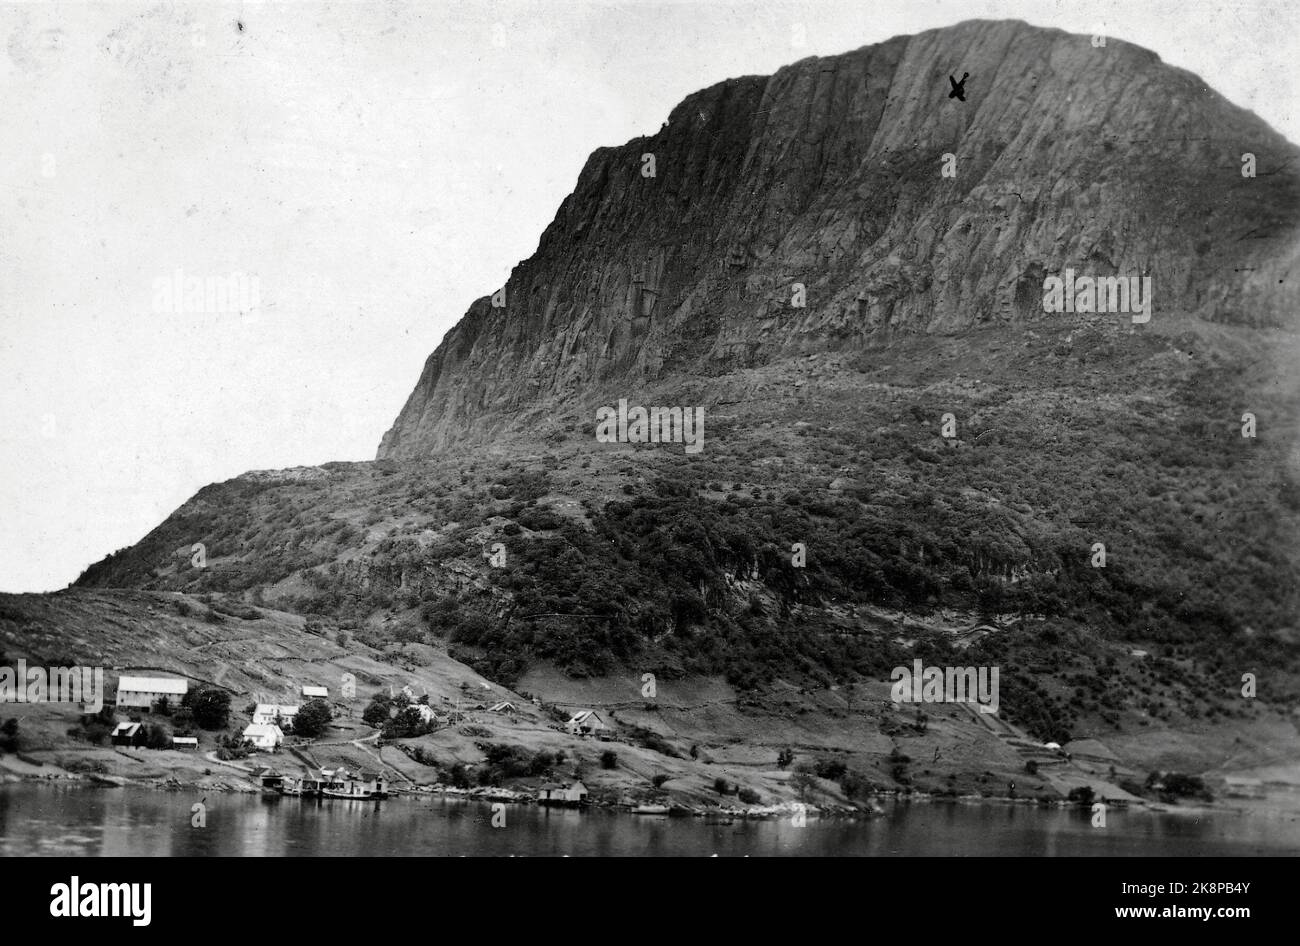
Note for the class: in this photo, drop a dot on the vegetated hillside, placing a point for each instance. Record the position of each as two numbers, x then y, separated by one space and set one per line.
827 174
823 424
646 558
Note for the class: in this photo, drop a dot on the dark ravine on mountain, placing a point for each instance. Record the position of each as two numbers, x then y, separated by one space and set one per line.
924 298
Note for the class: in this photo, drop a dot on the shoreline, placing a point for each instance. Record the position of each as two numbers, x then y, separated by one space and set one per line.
675 810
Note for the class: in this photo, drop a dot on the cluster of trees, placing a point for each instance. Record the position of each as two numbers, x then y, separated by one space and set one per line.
508 762
398 716
313 718
208 706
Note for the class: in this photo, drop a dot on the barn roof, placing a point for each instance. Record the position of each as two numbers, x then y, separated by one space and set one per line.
153 685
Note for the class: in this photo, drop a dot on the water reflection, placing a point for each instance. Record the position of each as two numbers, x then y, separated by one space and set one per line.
65 820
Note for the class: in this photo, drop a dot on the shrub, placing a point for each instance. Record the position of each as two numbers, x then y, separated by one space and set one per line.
157 737
458 775
1175 785
507 761
831 769
649 739
750 797
854 785
609 759
659 780
1082 795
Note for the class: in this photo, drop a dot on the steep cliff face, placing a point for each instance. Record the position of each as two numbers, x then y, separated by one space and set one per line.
828 174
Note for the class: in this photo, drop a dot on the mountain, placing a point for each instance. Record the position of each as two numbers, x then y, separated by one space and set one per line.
828 173
921 463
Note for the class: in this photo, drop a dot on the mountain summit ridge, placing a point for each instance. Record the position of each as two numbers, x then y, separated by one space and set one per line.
828 173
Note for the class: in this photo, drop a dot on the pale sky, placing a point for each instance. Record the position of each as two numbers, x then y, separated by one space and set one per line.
374 167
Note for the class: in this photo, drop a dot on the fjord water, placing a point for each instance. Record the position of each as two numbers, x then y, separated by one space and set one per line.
74 821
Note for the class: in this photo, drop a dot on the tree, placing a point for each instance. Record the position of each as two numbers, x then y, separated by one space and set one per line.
406 724
312 719
157 737
211 708
9 736
784 758
164 707
609 759
720 785
377 712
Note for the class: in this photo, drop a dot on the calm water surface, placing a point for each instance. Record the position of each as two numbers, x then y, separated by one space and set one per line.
65 820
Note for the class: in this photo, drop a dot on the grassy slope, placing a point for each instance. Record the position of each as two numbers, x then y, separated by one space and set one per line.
624 560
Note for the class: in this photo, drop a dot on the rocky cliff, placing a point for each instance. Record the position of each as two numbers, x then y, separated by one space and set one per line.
830 174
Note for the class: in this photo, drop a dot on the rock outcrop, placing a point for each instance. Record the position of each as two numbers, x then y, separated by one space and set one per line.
829 174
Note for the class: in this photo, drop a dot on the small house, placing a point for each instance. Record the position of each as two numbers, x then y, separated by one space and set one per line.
144 692
556 794
274 714
129 734
185 742
262 736
315 693
587 723
427 714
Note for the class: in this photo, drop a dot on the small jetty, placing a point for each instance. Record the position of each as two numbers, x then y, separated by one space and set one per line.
331 783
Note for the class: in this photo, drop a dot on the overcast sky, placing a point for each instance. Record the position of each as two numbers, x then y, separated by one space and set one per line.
370 169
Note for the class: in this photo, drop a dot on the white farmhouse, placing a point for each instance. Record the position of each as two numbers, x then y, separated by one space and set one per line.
267 738
275 714
587 723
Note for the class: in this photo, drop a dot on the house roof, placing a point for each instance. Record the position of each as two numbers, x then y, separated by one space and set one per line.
321 692
274 709
503 705
126 729
153 685
256 730
583 716
185 740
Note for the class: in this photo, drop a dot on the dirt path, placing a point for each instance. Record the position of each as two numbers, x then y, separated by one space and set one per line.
212 757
